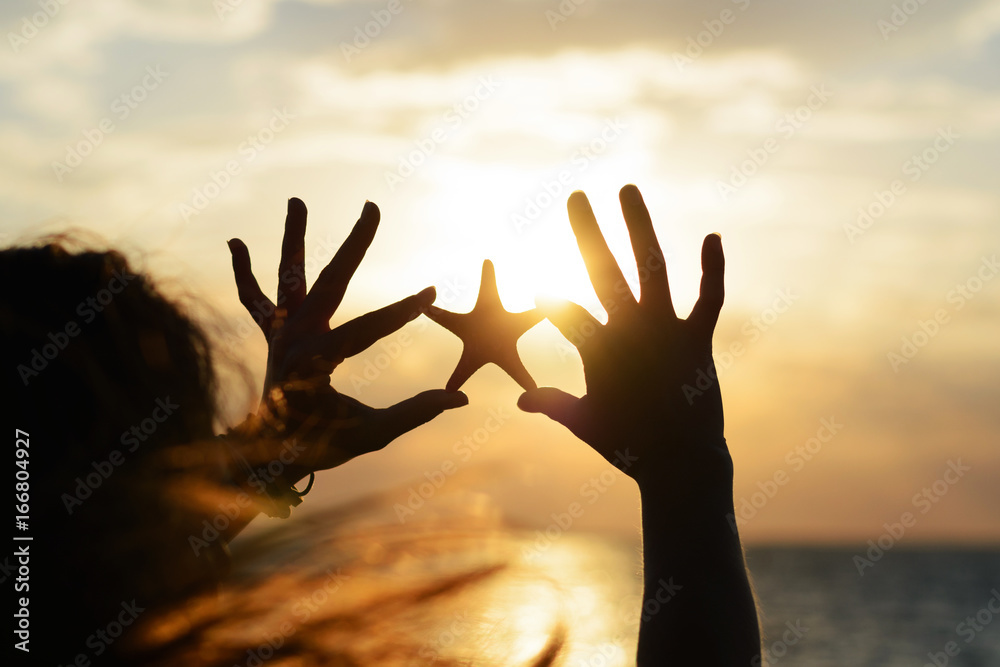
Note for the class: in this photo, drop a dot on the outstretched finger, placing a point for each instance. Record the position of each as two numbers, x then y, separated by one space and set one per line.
251 296
555 404
705 313
360 333
654 288
328 290
605 274
394 421
573 321
292 267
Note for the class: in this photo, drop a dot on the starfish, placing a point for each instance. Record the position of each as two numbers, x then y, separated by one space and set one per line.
489 334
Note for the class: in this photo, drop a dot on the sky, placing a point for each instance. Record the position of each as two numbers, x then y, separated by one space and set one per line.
848 153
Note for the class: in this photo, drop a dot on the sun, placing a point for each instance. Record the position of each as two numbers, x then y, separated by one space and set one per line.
517 218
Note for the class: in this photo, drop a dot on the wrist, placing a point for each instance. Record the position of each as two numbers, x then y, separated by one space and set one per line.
693 496
266 466
695 470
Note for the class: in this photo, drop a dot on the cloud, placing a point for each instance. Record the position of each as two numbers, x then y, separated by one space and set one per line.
689 125
980 24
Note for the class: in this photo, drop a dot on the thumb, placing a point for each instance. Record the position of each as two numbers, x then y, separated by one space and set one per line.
553 403
406 415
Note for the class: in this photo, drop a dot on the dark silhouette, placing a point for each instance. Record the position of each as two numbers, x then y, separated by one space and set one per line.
94 354
489 334
636 367
122 511
302 351
92 374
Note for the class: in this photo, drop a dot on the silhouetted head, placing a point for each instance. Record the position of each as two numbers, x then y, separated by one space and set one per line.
97 344
114 385
107 376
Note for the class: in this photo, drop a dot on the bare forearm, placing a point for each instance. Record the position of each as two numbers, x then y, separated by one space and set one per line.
255 467
698 606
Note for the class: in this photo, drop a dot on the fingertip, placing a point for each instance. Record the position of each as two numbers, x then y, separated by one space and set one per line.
712 253
577 201
532 401
456 399
371 212
237 248
630 194
420 302
444 399
526 401
295 218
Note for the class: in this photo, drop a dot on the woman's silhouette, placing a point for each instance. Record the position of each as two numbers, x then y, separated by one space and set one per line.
118 520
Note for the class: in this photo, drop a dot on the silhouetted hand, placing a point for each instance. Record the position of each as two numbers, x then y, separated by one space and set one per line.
298 399
637 365
653 408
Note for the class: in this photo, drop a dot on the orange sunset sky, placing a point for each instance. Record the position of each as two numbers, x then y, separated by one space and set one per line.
847 152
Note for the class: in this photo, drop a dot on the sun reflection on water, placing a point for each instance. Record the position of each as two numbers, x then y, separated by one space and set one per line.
354 587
